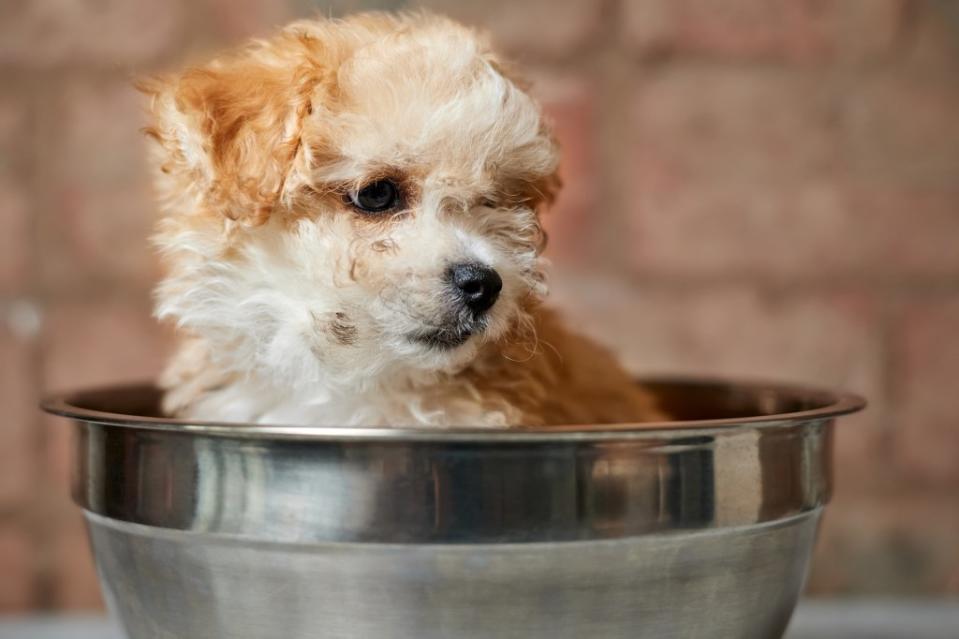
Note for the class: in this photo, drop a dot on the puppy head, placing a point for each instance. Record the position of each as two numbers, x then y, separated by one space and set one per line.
351 199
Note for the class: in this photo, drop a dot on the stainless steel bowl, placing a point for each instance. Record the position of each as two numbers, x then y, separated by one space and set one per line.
695 528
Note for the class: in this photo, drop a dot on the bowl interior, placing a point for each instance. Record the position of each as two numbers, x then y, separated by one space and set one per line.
690 401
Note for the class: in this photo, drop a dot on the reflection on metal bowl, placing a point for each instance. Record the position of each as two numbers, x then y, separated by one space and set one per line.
699 527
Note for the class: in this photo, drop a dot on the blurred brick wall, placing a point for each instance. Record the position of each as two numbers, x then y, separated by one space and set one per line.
754 187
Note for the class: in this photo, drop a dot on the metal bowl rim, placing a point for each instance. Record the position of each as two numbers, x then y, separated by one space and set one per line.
834 404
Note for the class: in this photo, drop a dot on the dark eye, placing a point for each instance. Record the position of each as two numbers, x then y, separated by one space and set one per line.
376 197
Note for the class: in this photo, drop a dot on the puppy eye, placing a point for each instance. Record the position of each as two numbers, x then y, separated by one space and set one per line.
376 197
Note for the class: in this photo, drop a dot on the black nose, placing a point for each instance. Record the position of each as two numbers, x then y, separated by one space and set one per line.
478 285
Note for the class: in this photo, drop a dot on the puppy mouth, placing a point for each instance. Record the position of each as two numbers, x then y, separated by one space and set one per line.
443 339
450 336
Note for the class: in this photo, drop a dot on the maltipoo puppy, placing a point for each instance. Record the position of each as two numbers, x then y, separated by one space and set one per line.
351 236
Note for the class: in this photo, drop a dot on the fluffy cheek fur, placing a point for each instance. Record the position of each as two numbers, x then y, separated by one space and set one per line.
333 300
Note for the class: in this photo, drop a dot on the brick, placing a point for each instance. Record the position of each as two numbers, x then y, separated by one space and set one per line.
791 29
747 123
16 241
233 20
867 30
19 452
901 127
74 582
570 104
99 212
733 167
891 545
14 127
552 28
932 42
741 173
89 343
830 340
17 565
41 33
894 232
710 228
818 229
925 369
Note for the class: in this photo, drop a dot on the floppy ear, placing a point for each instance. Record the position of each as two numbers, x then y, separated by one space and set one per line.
539 191
228 132
547 189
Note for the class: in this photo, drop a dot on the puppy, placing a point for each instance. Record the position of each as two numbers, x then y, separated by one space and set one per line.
350 234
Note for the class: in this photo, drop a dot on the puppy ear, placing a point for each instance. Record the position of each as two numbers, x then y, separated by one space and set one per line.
539 190
547 189
228 132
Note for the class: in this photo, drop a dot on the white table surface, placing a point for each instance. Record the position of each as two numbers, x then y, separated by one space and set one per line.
858 619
